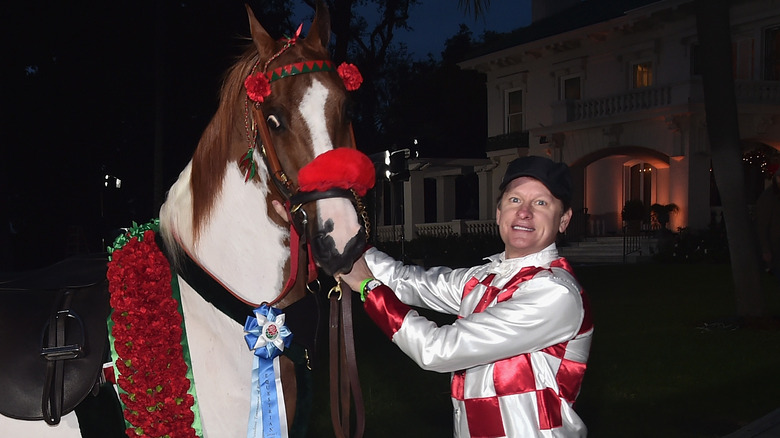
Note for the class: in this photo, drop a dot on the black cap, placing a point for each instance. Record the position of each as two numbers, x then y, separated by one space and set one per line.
555 176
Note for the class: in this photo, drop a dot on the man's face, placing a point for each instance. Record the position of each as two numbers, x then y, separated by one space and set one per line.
529 217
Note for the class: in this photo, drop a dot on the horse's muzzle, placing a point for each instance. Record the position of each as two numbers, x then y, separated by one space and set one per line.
330 259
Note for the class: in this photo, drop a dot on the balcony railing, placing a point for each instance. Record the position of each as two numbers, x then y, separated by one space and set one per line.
747 92
634 100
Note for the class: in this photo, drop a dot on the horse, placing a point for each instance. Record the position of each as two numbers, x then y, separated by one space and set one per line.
269 195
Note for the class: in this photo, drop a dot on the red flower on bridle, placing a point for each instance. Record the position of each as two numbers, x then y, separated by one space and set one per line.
350 75
258 87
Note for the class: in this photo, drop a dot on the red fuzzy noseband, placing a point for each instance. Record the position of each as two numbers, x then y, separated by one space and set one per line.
342 168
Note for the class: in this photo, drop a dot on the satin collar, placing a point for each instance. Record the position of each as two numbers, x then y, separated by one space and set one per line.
502 265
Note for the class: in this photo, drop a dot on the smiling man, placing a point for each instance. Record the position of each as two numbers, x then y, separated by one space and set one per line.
519 347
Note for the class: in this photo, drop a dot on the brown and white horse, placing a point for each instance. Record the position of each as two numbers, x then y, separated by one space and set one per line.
239 225
238 231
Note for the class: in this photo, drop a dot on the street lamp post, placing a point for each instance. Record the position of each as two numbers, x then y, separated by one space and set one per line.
109 182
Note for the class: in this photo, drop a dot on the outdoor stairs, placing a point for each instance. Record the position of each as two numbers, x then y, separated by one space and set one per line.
605 250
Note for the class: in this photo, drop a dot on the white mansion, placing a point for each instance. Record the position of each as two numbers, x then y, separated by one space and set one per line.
612 88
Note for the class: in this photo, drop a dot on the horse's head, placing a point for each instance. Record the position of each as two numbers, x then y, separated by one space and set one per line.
298 111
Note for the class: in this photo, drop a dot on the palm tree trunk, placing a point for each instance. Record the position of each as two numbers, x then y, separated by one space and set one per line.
720 104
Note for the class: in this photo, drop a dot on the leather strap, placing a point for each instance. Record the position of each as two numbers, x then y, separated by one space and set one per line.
306 197
208 287
344 380
263 143
286 187
55 352
342 348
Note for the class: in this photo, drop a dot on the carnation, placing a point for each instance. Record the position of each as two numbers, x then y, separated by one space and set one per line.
350 75
257 87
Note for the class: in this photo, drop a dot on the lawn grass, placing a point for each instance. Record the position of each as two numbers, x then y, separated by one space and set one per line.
665 362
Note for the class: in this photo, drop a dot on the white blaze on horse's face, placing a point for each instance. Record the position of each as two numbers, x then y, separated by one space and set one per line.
313 113
338 229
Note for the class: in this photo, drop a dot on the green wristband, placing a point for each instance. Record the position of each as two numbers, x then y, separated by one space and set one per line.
363 292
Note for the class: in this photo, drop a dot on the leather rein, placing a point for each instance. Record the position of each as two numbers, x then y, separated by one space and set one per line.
344 379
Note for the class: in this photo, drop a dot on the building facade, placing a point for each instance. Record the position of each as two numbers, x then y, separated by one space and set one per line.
618 97
614 90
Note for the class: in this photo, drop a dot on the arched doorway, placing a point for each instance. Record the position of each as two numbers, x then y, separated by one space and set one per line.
610 177
638 182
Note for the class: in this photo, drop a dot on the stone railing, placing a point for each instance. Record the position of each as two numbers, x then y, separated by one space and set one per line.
766 92
634 100
488 227
389 233
440 229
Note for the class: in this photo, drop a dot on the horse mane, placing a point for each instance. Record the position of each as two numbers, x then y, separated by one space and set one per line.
215 145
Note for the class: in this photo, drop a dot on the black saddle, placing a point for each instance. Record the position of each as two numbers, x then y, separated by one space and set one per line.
53 337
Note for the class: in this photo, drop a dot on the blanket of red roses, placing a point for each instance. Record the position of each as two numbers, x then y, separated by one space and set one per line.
147 333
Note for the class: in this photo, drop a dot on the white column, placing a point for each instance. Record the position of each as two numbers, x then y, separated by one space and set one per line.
487 204
445 198
414 208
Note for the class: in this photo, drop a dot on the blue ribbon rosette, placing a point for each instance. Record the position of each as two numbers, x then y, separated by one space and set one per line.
267 336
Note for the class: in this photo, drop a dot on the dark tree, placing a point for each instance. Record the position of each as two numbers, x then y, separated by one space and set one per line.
714 30
440 105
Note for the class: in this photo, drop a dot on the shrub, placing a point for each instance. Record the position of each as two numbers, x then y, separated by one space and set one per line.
693 246
634 210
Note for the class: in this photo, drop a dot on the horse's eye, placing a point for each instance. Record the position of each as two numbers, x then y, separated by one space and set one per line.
273 122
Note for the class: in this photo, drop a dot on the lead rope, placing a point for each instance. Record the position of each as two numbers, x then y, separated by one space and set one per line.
344 380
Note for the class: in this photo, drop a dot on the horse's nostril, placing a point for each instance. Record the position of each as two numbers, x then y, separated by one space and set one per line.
322 240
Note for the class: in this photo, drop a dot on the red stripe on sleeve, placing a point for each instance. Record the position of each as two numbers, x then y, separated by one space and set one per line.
386 310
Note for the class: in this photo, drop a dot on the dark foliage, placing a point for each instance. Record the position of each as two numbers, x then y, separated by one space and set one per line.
634 210
694 246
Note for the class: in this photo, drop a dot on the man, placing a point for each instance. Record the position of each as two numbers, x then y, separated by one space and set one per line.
519 347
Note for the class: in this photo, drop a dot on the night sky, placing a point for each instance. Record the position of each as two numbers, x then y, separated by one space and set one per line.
79 103
81 100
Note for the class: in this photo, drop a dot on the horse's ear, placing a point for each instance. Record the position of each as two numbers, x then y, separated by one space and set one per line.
263 42
319 32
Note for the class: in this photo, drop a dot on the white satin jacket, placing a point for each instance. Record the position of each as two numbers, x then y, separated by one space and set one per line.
517 351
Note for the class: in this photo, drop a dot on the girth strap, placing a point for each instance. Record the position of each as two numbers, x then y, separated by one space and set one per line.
207 286
226 302
56 352
343 366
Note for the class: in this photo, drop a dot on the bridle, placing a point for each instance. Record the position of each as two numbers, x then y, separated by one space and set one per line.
260 139
344 378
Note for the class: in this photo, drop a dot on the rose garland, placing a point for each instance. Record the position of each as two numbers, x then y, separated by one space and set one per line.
147 330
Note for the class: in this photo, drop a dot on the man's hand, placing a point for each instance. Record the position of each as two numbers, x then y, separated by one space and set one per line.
359 272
